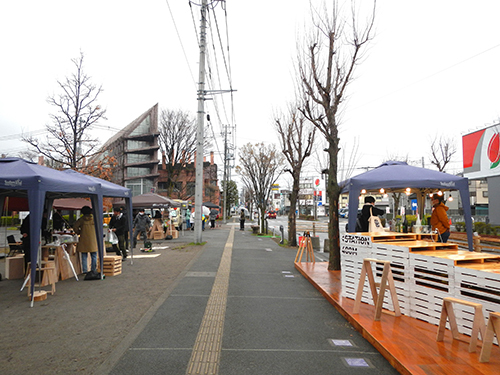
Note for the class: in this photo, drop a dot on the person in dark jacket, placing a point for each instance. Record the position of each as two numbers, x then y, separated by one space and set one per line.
365 213
142 223
242 219
118 224
57 220
25 233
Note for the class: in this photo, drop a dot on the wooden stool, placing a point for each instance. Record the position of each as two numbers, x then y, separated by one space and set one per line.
477 326
493 328
378 297
305 244
49 276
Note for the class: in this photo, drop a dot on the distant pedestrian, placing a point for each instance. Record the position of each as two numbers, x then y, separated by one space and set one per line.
213 217
242 219
188 218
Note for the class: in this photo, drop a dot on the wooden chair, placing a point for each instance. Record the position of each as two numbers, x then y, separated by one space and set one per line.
14 246
448 312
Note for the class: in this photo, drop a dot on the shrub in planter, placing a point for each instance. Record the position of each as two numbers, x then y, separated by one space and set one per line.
460 226
479 227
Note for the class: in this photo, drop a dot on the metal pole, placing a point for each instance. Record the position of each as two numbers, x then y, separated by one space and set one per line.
199 131
224 208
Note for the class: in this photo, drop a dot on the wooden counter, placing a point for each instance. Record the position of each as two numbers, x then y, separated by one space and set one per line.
424 273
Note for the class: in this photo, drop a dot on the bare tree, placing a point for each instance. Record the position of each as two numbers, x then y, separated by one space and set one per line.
260 168
296 141
326 67
69 143
177 136
178 142
442 150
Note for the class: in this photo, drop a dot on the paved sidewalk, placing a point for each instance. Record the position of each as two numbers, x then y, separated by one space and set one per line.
242 308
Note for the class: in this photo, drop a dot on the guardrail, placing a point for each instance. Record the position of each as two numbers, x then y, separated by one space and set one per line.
312 227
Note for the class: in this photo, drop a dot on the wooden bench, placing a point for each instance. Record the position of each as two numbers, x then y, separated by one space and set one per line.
493 328
387 281
448 312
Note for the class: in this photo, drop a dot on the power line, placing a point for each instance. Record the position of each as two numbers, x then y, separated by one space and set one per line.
429 76
180 41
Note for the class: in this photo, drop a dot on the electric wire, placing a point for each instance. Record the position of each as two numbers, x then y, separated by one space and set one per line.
180 41
428 77
212 74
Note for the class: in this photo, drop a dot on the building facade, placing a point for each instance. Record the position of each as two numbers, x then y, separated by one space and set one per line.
135 149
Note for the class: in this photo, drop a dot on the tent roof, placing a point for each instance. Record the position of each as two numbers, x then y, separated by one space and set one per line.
397 175
71 203
109 189
19 176
149 200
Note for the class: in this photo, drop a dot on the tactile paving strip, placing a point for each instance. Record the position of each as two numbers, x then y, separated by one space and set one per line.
207 347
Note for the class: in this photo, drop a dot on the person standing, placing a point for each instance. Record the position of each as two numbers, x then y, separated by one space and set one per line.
142 223
188 218
368 210
439 218
87 242
57 220
118 224
242 219
25 238
213 217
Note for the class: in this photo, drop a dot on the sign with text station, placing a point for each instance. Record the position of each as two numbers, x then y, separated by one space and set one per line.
352 239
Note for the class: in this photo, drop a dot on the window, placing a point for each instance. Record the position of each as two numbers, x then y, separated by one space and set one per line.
485 194
143 128
136 172
134 145
190 187
137 158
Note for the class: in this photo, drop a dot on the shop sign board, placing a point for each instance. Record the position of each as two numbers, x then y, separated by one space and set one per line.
481 153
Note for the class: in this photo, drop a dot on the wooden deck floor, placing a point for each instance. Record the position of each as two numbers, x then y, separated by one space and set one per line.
407 343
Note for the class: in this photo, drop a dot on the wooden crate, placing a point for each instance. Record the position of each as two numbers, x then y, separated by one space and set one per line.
158 235
431 273
14 267
425 304
393 236
112 265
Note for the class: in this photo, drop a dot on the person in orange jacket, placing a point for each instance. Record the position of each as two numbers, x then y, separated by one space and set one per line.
439 218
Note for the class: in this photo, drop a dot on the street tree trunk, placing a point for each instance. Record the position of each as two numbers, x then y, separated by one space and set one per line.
296 140
326 66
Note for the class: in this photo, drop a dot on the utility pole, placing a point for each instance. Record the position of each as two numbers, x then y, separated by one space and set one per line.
199 132
224 204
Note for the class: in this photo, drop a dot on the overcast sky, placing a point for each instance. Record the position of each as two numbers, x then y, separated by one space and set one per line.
431 70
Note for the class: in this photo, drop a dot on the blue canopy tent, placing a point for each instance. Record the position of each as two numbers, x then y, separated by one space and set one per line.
396 176
110 189
20 178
